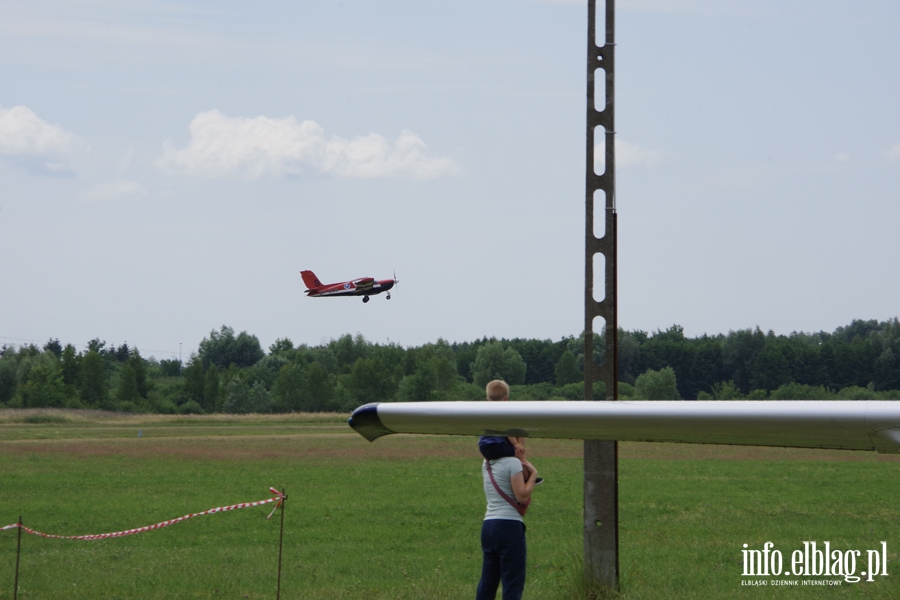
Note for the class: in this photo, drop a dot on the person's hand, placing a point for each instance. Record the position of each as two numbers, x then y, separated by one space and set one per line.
529 470
520 452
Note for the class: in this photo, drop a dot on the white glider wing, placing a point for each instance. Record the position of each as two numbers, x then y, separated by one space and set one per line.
848 425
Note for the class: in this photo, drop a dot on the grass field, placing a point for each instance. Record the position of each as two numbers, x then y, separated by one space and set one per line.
399 518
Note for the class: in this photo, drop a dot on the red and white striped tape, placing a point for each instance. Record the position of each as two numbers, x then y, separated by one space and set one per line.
278 499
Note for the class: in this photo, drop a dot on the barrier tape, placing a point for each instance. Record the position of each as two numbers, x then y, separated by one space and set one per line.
278 499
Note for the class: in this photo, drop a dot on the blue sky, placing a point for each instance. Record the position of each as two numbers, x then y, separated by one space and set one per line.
170 167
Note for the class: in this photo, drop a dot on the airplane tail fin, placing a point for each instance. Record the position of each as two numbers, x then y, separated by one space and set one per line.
309 278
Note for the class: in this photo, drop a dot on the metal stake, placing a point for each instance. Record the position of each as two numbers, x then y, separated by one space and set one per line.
18 552
280 545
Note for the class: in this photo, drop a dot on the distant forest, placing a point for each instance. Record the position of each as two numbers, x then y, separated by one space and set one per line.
233 374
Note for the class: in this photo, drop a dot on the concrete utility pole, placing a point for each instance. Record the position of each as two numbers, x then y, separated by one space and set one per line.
601 492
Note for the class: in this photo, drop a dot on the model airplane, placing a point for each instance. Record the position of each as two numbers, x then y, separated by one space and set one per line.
848 425
364 286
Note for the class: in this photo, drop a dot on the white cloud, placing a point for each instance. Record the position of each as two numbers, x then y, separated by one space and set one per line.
28 140
627 155
115 190
894 152
223 146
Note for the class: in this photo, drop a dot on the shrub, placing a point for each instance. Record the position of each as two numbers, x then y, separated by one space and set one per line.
191 407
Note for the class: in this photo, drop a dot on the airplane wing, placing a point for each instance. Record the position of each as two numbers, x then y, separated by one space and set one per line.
849 425
365 283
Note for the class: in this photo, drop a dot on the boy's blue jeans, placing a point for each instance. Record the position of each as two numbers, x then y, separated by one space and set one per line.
503 545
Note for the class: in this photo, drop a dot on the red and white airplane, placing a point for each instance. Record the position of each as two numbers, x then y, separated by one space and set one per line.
364 286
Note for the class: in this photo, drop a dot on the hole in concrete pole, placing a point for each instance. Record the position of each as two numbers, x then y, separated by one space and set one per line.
598 325
600 21
599 150
599 89
597 523
599 213
599 279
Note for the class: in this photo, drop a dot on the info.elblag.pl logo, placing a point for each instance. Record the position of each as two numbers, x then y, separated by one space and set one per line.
814 560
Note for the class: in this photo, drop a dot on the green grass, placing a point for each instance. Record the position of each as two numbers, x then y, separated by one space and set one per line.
399 518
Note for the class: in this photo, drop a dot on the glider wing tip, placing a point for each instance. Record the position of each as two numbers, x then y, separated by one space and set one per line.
886 440
365 422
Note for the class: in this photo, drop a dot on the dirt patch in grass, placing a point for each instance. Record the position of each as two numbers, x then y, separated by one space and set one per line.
340 446
250 437
103 417
646 450
344 446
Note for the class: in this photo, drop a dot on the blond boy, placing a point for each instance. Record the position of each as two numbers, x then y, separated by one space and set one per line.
495 447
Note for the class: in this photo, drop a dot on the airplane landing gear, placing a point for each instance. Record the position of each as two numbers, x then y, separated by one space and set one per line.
365 299
388 295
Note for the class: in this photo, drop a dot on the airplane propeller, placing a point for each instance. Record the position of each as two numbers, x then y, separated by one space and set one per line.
396 281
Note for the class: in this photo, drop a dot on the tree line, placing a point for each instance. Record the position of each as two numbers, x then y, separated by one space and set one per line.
232 373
